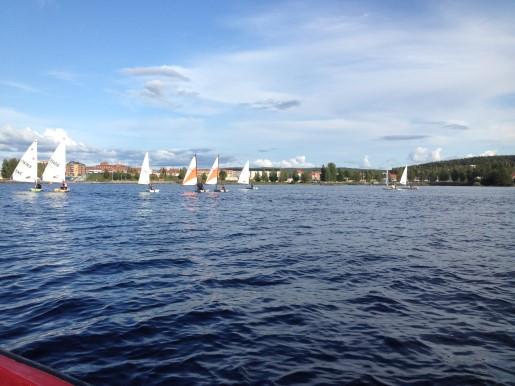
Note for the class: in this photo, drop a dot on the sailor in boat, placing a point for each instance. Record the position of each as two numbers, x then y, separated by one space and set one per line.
64 186
150 187
200 187
222 189
38 185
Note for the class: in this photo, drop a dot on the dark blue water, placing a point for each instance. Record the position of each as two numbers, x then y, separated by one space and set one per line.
283 285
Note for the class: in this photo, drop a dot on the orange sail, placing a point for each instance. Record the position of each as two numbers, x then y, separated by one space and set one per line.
212 177
191 174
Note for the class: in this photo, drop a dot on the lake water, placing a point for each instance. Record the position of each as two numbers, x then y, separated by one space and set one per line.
281 285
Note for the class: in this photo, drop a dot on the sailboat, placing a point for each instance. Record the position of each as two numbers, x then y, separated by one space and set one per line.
387 186
27 168
55 170
214 175
144 175
404 181
191 177
245 176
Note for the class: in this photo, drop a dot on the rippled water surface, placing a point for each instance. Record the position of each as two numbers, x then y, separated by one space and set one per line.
281 285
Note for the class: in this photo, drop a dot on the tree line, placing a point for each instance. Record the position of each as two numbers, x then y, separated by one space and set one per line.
488 171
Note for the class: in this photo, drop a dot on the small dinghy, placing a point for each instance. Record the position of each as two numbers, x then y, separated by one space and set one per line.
214 176
144 176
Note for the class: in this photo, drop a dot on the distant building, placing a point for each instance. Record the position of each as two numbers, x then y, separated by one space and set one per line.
232 174
105 166
75 169
174 172
315 175
392 177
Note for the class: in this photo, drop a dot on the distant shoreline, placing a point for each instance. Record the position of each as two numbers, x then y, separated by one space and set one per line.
450 184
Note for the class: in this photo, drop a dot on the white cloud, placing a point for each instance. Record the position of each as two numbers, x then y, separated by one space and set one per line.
325 65
436 155
366 162
264 163
14 141
173 72
64 75
488 153
422 154
298 161
18 86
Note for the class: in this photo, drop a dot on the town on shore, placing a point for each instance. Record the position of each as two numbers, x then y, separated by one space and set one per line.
493 171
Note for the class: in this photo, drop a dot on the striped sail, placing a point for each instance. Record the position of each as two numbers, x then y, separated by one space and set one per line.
27 168
191 174
245 174
212 177
55 170
144 175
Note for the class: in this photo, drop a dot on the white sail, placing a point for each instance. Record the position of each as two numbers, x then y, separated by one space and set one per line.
386 178
404 177
55 170
212 177
144 175
191 174
27 168
245 174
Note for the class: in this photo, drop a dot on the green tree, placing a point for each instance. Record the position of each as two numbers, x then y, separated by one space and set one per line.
223 175
295 176
498 176
257 177
182 173
273 176
323 173
455 175
163 174
443 175
283 175
339 176
331 171
8 167
305 177
264 176
106 174
203 177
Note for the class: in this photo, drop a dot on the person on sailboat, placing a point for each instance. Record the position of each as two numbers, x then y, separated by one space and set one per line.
200 187
150 187
64 185
38 185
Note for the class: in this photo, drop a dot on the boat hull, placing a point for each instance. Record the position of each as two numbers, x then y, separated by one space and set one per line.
18 371
35 190
153 190
59 190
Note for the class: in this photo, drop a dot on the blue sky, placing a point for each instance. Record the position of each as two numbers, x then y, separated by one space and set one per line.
300 83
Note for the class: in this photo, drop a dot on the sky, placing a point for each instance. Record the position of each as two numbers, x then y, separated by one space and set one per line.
371 84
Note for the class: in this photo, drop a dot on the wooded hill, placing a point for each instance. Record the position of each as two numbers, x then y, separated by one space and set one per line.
493 170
